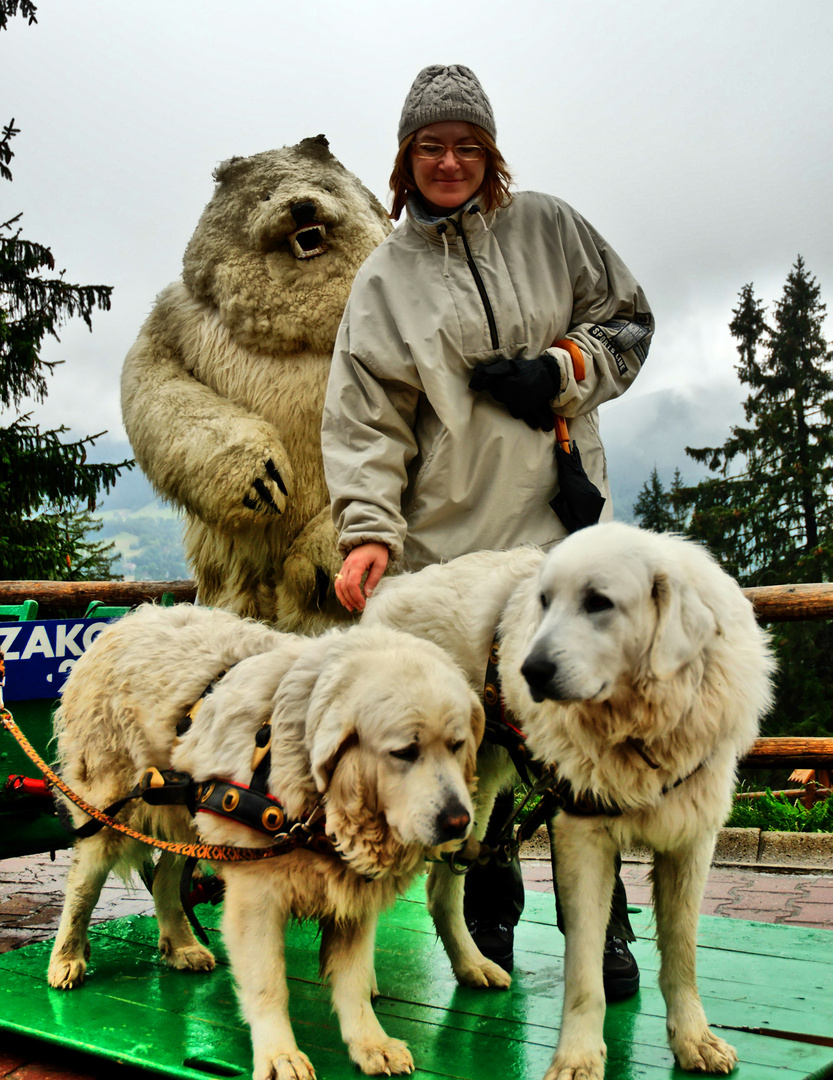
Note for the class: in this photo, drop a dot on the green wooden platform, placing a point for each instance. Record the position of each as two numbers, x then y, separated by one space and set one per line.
134 1010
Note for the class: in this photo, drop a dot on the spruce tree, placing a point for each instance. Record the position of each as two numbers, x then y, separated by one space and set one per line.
658 508
46 485
768 510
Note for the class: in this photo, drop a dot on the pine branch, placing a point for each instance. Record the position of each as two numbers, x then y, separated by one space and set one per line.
8 8
6 152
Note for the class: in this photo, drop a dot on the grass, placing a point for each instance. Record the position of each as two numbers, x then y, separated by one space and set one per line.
775 813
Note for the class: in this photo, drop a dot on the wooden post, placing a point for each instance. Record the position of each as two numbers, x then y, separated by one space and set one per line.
788 603
789 753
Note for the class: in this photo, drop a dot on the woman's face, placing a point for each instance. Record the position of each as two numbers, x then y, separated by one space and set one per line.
447 183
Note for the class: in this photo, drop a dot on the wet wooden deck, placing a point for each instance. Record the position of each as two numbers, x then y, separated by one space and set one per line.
766 987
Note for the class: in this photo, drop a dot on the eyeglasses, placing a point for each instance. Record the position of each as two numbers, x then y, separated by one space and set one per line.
431 151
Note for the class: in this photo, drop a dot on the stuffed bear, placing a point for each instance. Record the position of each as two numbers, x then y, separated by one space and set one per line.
222 391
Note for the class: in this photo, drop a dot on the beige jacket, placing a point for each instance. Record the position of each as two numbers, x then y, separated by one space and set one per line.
414 458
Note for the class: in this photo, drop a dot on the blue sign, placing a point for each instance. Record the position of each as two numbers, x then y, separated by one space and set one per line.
40 655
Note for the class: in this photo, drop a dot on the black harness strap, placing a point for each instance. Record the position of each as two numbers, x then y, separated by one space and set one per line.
157 788
240 803
262 758
499 729
190 716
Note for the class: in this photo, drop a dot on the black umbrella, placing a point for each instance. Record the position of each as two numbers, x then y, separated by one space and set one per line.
578 502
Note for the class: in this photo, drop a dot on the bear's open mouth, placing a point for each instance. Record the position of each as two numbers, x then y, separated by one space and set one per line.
308 241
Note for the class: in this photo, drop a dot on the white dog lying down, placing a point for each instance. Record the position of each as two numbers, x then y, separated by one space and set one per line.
376 727
635 665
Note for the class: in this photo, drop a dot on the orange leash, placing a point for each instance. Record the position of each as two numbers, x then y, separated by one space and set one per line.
562 434
211 852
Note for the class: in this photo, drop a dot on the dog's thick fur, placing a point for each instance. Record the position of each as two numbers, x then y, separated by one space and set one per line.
378 727
618 646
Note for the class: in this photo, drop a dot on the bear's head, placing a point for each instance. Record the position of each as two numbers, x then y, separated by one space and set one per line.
278 246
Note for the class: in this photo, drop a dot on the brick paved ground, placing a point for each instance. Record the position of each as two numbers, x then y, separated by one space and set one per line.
31 895
795 899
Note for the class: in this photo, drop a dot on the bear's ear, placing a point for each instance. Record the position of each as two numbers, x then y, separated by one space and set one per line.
232 168
317 148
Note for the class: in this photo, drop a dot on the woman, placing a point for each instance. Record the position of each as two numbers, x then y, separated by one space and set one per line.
475 322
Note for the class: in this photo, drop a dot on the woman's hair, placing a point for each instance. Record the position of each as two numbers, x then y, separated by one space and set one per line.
495 191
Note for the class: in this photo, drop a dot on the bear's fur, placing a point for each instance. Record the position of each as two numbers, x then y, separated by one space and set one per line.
222 391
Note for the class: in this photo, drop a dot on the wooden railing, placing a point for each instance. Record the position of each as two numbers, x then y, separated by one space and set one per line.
772 603
74 596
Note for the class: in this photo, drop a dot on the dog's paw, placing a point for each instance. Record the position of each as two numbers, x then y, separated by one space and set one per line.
192 957
564 1070
581 1061
66 972
482 974
704 1053
293 1065
389 1058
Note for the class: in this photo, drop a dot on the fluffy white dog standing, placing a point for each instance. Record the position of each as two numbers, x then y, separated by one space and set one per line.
635 666
376 729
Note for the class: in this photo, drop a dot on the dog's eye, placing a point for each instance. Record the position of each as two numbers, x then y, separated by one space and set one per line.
544 601
407 753
594 602
456 747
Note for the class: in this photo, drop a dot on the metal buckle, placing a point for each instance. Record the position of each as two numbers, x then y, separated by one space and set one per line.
460 868
505 854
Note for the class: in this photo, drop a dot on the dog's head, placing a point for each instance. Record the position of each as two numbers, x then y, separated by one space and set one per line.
392 734
617 606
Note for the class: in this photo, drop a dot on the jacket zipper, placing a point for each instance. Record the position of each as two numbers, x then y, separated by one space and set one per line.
481 288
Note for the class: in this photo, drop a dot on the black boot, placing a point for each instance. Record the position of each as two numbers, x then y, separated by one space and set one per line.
495 940
620 972
494 896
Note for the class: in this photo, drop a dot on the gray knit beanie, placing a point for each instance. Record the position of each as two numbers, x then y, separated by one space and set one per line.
445 93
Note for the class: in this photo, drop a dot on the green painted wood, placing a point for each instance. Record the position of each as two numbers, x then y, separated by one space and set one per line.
34 718
135 1011
28 825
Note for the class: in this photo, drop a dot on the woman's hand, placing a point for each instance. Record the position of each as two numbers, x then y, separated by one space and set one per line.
371 559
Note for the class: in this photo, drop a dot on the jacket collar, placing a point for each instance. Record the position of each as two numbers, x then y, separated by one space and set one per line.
468 216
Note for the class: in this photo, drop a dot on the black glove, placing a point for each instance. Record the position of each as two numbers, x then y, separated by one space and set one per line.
525 387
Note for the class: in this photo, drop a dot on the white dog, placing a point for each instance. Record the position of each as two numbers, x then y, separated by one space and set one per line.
375 729
635 666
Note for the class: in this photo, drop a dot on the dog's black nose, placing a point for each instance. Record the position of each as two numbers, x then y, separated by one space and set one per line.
453 822
539 673
303 213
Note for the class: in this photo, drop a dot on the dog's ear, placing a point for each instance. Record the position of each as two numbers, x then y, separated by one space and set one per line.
355 819
478 728
478 719
684 625
333 738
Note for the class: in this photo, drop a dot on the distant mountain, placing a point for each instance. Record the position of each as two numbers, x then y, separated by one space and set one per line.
653 431
132 490
146 531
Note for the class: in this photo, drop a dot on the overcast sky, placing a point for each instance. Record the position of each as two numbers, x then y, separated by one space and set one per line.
695 136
